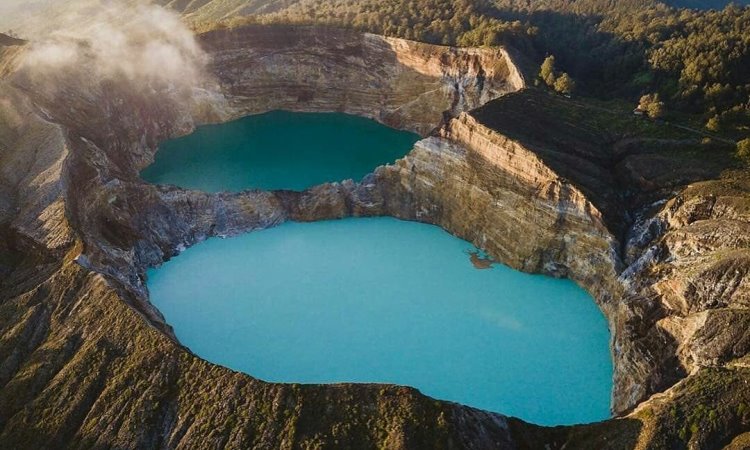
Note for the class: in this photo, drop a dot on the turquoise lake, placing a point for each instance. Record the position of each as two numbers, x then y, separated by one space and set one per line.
278 150
389 301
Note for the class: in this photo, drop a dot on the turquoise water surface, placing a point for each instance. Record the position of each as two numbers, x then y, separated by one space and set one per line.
278 150
383 300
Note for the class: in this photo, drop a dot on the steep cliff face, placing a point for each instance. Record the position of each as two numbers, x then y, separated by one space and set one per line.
86 361
32 152
400 83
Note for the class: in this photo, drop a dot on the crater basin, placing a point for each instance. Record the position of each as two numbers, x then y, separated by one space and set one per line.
388 301
278 150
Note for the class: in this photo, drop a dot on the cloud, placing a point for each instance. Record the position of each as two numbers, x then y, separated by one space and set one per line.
140 42
34 18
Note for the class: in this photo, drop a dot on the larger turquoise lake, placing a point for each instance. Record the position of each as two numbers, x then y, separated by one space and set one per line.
387 301
278 150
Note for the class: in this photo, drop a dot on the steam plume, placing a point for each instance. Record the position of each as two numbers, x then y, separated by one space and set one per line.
141 42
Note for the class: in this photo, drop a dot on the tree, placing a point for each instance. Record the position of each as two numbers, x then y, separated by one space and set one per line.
743 150
547 72
652 105
713 124
656 109
565 84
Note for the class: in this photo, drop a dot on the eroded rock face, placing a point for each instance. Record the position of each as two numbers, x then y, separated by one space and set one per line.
85 360
401 83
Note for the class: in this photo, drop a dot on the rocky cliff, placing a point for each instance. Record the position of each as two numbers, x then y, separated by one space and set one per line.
86 361
401 83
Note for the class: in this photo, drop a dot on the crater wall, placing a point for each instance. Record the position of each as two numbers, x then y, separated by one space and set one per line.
401 83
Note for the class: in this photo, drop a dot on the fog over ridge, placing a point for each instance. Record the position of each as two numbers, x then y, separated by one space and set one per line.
141 42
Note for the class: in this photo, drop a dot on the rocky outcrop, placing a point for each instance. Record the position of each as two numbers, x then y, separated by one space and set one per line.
86 361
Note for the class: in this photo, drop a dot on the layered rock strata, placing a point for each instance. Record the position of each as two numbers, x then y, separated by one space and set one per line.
401 83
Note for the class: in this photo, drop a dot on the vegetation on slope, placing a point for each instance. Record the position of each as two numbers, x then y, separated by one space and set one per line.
693 415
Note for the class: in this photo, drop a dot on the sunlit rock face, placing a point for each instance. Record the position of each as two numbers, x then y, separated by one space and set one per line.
402 83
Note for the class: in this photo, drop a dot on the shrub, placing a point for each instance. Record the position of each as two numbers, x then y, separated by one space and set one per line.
547 72
652 105
564 84
743 150
713 124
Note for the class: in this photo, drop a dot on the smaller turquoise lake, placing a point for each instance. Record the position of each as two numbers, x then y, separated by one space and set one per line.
278 150
388 301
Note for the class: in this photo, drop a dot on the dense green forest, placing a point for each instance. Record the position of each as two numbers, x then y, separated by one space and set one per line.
697 61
